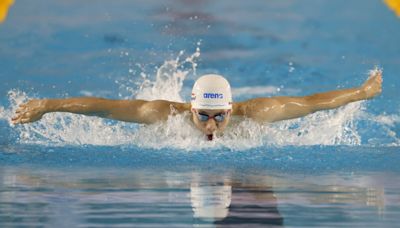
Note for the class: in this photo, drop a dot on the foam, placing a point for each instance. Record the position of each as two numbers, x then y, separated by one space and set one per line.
390 120
333 127
386 125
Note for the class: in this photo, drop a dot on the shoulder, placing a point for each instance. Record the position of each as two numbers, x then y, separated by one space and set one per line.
252 105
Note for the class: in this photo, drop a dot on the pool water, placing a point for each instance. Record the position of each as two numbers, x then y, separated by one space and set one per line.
332 168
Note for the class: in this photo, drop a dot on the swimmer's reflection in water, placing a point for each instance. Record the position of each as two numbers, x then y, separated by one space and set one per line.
212 200
234 203
211 105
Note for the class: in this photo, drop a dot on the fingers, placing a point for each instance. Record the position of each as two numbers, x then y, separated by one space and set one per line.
28 112
25 113
375 77
16 119
18 114
19 110
378 79
20 120
376 73
22 115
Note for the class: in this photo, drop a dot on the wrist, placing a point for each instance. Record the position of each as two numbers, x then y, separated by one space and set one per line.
49 105
363 92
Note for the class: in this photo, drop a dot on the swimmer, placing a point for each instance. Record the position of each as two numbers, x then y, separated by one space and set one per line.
211 106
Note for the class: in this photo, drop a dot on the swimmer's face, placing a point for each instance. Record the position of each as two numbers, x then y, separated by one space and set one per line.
210 121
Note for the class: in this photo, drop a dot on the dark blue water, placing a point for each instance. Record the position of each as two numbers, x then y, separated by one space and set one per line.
337 168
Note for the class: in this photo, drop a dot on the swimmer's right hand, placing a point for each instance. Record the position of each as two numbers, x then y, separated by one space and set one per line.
30 111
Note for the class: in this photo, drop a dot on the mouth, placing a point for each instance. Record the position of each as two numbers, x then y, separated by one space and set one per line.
210 137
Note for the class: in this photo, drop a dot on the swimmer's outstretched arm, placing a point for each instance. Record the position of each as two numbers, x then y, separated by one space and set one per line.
138 111
282 108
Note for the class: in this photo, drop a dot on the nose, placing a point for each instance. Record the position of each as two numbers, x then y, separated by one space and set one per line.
211 126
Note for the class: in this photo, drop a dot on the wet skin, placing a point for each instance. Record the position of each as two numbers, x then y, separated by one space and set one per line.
211 127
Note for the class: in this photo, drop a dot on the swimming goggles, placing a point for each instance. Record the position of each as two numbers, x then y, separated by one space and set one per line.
220 117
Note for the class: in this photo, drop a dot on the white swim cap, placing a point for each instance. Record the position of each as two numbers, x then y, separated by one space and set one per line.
211 91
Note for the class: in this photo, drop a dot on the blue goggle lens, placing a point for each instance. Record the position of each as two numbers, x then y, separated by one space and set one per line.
219 117
204 117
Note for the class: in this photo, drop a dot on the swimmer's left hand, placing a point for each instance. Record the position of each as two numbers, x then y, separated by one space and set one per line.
373 85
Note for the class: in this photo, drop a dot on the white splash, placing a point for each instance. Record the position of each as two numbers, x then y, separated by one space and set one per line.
390 120
2 112
386 125
169 79
15 97
334 127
